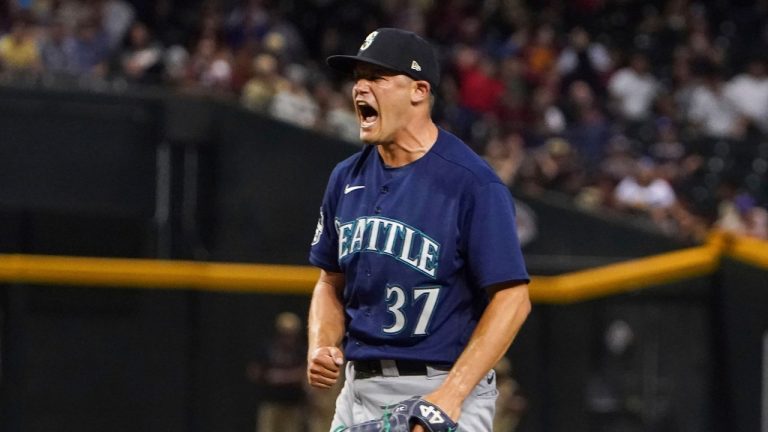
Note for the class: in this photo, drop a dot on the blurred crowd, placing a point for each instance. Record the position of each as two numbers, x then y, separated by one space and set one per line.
657 109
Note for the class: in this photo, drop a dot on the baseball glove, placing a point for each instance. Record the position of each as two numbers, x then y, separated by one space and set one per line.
406 414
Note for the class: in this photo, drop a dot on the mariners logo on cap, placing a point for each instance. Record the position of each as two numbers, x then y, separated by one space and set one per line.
368 40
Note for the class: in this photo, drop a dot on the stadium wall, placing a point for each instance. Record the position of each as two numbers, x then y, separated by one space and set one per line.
196 181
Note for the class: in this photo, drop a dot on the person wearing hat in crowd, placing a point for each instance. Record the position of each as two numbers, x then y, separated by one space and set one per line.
278 373
422 284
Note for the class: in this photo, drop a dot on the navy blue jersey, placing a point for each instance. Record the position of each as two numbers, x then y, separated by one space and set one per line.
418 244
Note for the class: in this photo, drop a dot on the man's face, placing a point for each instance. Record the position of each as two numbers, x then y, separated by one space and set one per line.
19 31
639 63
382 99
645 174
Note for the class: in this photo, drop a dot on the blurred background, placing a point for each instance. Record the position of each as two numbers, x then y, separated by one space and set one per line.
204 131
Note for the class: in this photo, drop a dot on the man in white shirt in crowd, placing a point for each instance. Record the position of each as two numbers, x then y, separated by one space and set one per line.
634 89
645 192
748 92
711 111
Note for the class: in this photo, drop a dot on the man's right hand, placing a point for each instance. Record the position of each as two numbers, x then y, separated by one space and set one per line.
324 366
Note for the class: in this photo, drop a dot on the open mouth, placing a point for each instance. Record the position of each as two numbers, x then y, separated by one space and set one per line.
368 114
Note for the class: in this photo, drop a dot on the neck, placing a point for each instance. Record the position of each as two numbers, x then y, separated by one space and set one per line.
411 143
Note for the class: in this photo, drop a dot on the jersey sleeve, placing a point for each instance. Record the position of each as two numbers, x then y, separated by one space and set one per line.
323 252
490 237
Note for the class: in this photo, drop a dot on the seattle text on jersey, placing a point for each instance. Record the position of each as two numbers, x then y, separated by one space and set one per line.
389 237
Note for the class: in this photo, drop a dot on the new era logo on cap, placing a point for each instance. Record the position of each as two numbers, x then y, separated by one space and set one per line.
398 50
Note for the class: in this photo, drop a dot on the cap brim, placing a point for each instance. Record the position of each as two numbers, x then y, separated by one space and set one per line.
346 63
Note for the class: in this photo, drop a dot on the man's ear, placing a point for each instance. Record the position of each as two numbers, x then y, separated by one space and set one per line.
420 92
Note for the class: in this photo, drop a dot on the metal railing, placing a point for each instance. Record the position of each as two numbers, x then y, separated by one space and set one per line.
290 279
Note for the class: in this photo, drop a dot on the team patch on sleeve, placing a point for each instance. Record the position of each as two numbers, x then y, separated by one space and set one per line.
319 229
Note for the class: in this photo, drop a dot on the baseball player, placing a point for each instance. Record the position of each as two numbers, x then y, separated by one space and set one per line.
422 283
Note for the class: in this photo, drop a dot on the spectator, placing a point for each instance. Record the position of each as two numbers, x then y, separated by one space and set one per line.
247 23
19 53
479 85
682 85
711 111
73 13
141 59
284 40
341 118
41 11
91 50
667 147
322 404
675 164
406 14
505 154
242 68
445 20
116 19
57 50
210 65
281 374
175 65
748 93
645 193
293 103
739 214
547 118
448 113
506 76
614 388
261 88
618 162
634 89
588 128
620 158
584 60
552 166
541 54
321 90
513 111
700 43
480 94
210 23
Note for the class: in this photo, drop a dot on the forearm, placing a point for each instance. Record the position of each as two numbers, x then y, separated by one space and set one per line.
491 339
325 331
326 313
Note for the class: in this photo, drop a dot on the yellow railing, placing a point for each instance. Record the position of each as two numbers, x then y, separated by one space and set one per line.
163 274
151 273
627 276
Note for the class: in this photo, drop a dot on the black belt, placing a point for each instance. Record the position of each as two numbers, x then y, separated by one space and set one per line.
404 367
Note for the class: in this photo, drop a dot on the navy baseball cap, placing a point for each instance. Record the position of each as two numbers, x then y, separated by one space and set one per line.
395 49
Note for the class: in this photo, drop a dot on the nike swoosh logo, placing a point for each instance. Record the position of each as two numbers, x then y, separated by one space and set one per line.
348 188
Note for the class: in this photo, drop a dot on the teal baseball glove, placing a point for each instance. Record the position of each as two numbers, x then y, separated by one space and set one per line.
405 415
